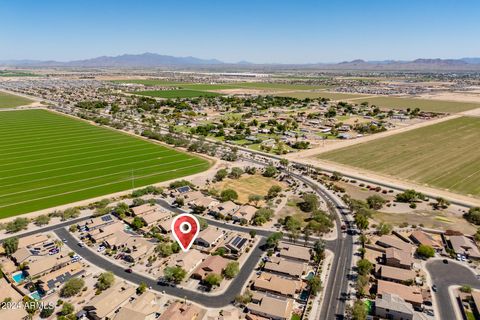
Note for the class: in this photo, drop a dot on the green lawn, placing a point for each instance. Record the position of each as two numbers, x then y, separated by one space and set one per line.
49 159
423 104
10 101
444 155
176 93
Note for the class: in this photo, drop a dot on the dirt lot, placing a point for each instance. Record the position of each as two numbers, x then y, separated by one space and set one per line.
247 185
291 209
399 213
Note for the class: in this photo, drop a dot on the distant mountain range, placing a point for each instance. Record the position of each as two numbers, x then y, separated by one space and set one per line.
149 60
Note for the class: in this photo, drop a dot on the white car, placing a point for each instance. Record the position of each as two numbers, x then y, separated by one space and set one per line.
101 248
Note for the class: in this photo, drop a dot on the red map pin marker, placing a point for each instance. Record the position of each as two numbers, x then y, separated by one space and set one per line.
185 229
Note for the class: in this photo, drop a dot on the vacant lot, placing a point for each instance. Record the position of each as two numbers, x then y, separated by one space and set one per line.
444 155
177 93
49 159
247 185
10 101
321 94
429 219
422 104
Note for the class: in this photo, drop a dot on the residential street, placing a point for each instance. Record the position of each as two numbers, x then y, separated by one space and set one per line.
446 275
206 300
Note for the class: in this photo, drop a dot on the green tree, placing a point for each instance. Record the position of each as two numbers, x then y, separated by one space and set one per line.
284 162
359 311
164 249
17 225
255 198
273 191
361 221
244 298
262 215
231 270
425 251
273 239
228 195
466 288
142 287
42 220
270 171
174 274
72 287
235 173
212 280
409 196
384 228
10 245
364 266
122 209
376 202
292 223
309 202
105 280
67 308
47 311
221 174
315 284
473 215
319 248
252 233
137 223
30 306
441 203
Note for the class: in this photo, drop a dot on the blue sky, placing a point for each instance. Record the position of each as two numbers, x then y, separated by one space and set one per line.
262 31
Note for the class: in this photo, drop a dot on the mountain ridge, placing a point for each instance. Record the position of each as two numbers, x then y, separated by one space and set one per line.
148 59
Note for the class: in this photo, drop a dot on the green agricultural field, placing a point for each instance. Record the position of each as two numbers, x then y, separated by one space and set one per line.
221 86
444 155
176 93
423 104
320 94
14 73
49 159
10 101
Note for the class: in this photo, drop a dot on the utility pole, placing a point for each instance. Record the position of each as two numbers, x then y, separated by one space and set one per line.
133 181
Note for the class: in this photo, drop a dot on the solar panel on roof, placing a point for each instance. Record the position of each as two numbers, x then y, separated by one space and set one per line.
239 242
183 189
107 218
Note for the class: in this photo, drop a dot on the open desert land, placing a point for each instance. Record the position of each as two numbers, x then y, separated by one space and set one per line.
11 101
445 155
49 160
441 106
472 96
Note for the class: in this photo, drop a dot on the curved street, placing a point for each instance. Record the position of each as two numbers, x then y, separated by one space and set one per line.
444 275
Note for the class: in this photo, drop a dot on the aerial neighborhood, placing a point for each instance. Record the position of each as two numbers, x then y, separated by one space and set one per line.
310 161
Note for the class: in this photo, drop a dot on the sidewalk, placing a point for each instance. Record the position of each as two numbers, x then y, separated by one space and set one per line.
325 274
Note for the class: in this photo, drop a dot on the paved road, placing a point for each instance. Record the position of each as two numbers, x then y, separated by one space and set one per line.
329 244
50 228
207 300
333 306
446 275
